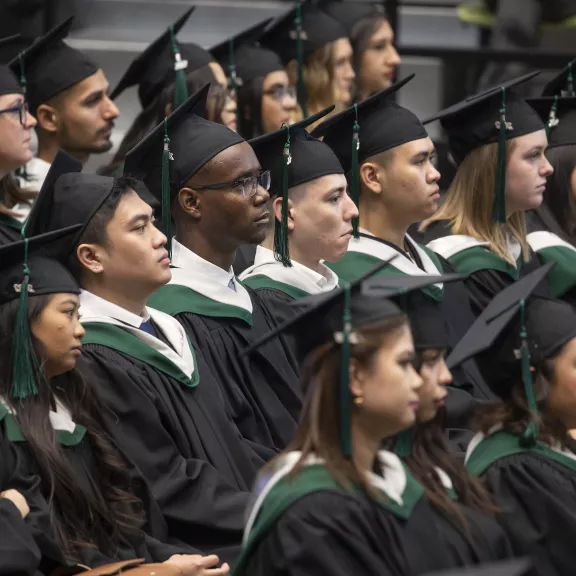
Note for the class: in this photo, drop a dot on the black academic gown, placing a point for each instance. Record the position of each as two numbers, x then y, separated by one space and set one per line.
19 553
197 465
262 389
9 230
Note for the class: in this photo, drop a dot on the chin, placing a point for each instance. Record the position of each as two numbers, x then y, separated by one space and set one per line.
101 147
256 238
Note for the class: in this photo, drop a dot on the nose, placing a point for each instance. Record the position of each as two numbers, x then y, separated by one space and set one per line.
395 59
445 374
262 196
79 330
111 111
416 380
433 174
29 121
547 168
289 103
350 74
159 239
350 209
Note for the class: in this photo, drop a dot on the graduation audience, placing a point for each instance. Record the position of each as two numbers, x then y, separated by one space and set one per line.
225 352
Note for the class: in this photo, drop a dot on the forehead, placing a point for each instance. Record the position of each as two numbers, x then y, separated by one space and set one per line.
322 185
420 146
341 48
382 32
95 83
130 205
531 140
230 163
7 100
276 78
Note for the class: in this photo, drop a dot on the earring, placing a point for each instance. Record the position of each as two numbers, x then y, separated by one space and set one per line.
358 400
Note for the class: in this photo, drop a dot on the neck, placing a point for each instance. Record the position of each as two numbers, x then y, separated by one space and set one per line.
364 448
304 257
382 223
120 296
47 152
202 247
269 241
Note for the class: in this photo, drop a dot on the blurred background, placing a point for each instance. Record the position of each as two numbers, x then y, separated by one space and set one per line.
452 46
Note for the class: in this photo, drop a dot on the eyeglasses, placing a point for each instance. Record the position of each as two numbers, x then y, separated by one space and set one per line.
280 92
18 112
248 185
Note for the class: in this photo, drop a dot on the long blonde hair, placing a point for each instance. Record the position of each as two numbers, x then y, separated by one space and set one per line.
469 203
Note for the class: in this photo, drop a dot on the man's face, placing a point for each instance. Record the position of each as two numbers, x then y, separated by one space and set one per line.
134 259
228 218
409 181
86 116
320 221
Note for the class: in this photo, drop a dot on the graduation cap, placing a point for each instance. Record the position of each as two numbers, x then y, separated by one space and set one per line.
495 115
349 13
559 117
28 269
330 318
152 70
533 335
49 66
8 82
293 157
68 198
373 126
235 55
170 154
298 34
563 84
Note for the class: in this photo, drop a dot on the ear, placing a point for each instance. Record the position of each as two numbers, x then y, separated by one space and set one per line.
90 258
190 202
48 118
371 177
277 209
357 378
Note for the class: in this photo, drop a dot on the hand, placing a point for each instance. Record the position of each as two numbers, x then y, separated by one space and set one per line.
195 565
18 500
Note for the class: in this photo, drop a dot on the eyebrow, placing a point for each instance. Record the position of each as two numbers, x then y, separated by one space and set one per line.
422 155
336 189
94 95
248 173
138 218
70 302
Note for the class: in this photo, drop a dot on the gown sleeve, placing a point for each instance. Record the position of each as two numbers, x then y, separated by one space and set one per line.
327 533
537 501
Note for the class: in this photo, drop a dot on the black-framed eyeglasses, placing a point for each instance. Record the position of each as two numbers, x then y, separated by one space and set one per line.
280 92
18 112
248 185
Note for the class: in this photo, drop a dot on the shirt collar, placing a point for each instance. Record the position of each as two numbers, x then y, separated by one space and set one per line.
183 257
99 307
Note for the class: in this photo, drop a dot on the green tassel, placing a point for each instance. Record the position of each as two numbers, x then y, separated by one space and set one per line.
570 82
233 80
355 179
166 216
499 213
22 172
403 444
302 100
552 120
532 431
281 248
24 363
345 399
180 86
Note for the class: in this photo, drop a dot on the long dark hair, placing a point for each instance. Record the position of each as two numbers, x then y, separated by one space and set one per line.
430 451
250 108
80 518
318 431
11 194
155 113
558 197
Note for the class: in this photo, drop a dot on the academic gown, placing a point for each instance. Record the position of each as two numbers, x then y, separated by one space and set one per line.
261 390
311 526
79 454
168 416
535 489
550 247
9 229
19 553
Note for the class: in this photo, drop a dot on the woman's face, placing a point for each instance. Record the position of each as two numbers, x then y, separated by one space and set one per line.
379 61
15 127
279 103
435 377
228 116
573 184
526 172
388 388
59 332
561 401
344 75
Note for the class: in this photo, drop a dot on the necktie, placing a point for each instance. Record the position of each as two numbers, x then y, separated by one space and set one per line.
231 284
148 327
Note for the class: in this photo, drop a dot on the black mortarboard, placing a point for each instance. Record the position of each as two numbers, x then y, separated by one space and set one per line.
511 345
67 198
559 117
495 115
332 317
227 53
29 268
298 34
369 128
516 567
293 158
349 13
152 70
49 66
8 82
563 84
170 154
256 61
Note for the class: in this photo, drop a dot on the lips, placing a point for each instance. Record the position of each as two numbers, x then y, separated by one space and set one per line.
264 218
164 256
349 232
